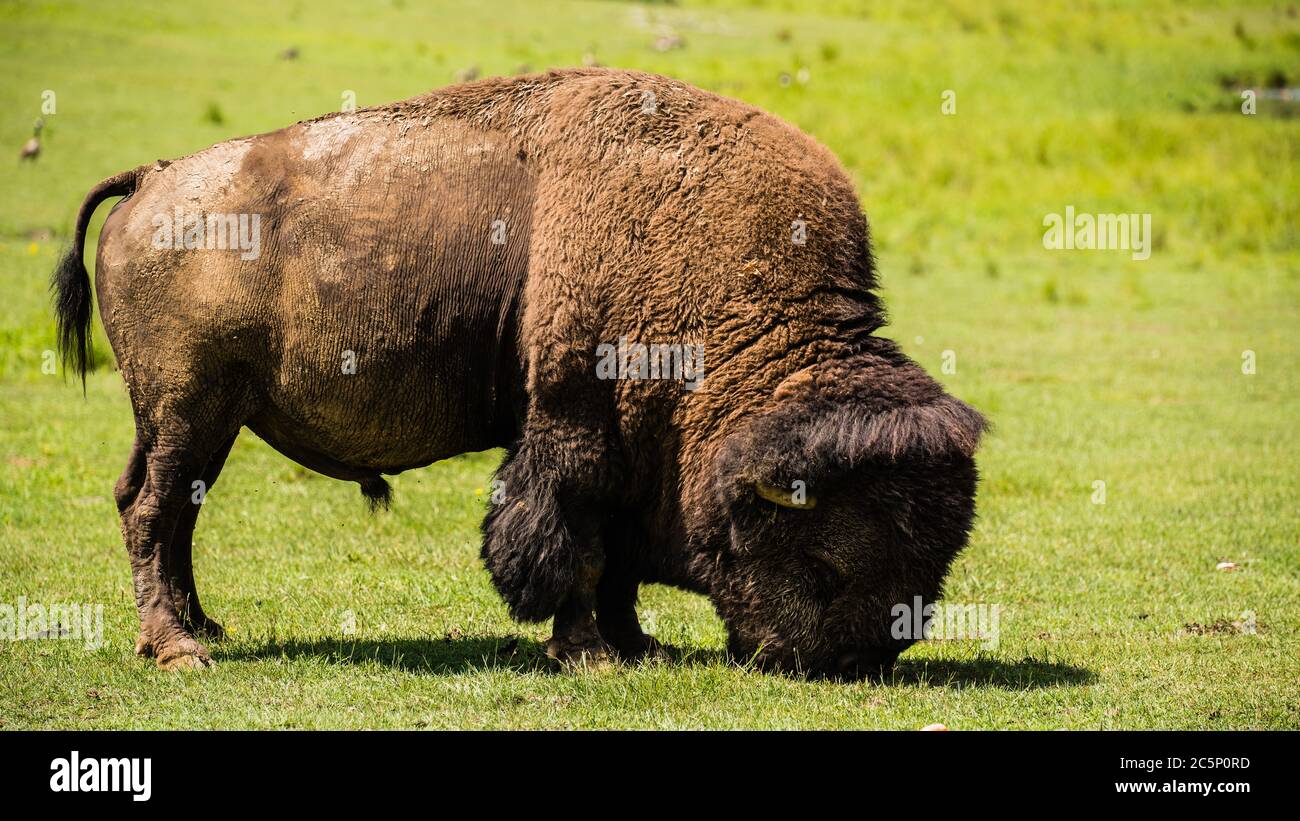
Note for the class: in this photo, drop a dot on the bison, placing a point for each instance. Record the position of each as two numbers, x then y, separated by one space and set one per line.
375 290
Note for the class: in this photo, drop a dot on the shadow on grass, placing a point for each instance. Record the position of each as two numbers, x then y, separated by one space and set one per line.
444 656
1027 673
425 655
449 656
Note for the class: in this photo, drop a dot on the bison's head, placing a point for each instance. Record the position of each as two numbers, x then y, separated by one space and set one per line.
847 497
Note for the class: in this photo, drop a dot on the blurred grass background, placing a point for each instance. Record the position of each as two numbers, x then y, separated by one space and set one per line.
1093 366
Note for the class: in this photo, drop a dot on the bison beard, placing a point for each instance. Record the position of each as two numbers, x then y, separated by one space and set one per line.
467 254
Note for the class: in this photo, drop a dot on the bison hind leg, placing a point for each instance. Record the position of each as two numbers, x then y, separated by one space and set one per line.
377 492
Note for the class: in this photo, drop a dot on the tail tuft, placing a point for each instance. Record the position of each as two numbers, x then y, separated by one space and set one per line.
72 298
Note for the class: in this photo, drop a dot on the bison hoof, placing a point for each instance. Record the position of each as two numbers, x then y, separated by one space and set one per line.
177 654
187 661
640 647
589 655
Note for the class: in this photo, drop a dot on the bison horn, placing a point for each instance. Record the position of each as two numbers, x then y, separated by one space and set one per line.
785 498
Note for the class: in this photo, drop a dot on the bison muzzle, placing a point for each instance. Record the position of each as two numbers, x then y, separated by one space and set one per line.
373 291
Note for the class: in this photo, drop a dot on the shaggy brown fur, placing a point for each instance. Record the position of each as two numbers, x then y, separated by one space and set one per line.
634 206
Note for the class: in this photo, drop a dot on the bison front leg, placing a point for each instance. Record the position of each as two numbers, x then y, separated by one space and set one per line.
542 539
575 638
541 543
617 619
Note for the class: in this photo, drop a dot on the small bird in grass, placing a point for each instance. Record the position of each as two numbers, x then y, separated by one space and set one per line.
32 147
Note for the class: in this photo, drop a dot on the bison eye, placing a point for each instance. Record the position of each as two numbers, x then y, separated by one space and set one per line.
823 557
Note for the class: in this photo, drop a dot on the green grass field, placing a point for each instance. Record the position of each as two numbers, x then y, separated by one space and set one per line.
1094 367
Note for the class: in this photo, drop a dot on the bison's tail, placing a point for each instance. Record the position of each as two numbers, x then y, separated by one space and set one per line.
71 283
